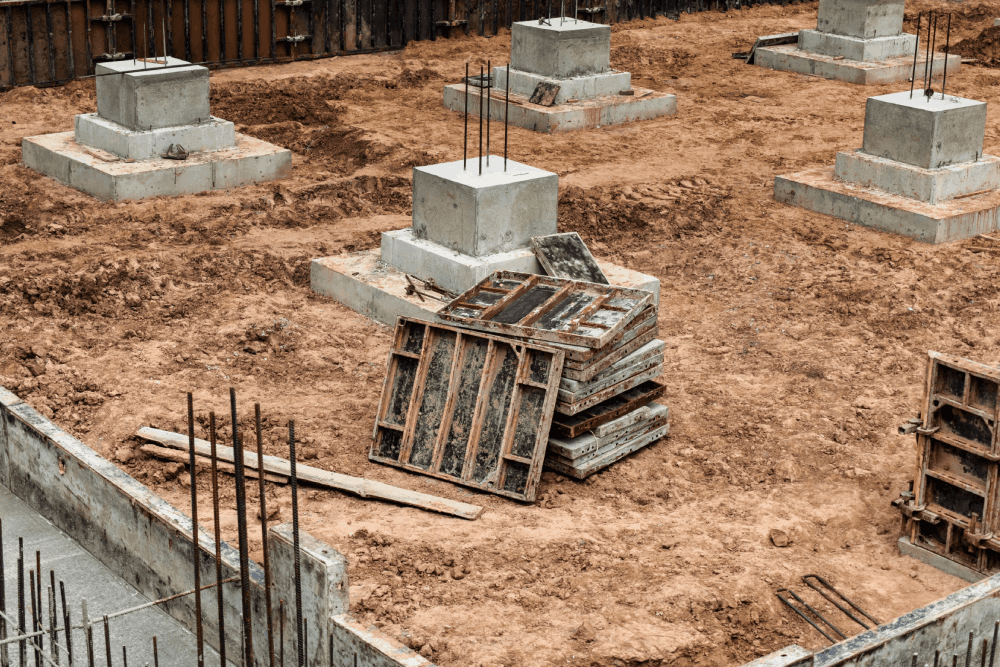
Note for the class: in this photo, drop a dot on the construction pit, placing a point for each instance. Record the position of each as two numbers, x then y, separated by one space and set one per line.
795 343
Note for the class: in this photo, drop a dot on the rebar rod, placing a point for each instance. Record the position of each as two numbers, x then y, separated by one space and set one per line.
195 546
968 652
293 479
22 647
506 114
124 657
480 120
465 138
930 19
241 520
156 654
218 540
807 580
34 619
52 624
930 77
947 50
489 107
263 536
147 605
916 51
986 644
66 624
88 632
107 640
993 648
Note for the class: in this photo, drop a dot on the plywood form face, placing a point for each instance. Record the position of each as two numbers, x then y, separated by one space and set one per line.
957 504
467 407
567 256
544 308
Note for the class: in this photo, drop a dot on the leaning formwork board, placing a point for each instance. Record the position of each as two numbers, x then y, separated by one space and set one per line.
543 308
467 407
955 508
567 256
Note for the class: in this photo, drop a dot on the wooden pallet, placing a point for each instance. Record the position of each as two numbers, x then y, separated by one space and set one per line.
543 308
467 407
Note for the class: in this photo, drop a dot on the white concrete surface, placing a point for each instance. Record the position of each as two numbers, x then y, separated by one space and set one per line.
451 270
929 185
927 133
791 58
212 135
561 48
864 19
483 213
141 96
578 87
872 49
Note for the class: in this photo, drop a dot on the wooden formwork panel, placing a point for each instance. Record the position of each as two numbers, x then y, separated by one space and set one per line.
546 308
467 407
956 501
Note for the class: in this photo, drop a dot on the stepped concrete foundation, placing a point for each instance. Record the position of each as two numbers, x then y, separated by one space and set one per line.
145 112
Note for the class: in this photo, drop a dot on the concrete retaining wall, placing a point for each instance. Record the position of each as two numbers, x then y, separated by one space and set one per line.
148 542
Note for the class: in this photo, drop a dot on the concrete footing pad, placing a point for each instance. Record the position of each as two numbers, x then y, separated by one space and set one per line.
587 113
818 190
937 561
893 70
109 177
365 284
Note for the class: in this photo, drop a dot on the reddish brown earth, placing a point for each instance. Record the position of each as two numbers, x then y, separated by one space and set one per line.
796 343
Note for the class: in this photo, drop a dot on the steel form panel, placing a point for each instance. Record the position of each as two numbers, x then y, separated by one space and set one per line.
467 407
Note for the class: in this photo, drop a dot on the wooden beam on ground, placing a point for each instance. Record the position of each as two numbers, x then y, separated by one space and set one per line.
204 463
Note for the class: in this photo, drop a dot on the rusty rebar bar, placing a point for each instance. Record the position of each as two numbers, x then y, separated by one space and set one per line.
930 77
465 139
67 625
993 647
22 647
480 120
947 50
489 107
293 478
241 520
968 652
156 654
218 539
263 536
195 546
916 51
34 618
927 59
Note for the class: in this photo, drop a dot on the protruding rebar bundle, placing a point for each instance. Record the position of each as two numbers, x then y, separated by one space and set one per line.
506 112
263 535
916 51
218 539
465 137
480 120
241 520
293 480
195 542
947 51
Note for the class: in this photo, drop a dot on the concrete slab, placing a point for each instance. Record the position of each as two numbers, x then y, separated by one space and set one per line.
791 655
108 177
561 48
939 562
144 97
91 130
85 577
820 191
451 270
366 285
596 112
928 133
481 209
928 185
791 58
573 88
873 49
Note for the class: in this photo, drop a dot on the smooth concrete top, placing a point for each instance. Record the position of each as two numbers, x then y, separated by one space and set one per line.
924 133
483 214
564 49
863 19
146 97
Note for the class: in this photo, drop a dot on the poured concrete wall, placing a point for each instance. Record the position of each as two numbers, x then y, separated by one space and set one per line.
148 542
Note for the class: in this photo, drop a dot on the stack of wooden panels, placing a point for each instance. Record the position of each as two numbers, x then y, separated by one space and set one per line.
608 336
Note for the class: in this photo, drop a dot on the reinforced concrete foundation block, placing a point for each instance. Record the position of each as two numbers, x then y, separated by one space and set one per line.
791 58
928 185
451 270
144 97
483 214
574 88
560 49
212 135
872 49
863 19
924 133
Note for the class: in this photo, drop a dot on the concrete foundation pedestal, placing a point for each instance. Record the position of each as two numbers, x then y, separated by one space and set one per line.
144 110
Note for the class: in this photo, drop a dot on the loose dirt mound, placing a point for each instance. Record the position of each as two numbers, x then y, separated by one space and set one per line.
984 48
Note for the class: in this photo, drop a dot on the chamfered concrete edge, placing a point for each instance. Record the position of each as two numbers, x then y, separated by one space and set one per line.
148 542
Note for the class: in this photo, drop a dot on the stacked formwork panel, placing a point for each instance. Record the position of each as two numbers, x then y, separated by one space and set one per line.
953 509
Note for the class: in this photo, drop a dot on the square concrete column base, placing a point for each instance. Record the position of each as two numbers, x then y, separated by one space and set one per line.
929 185
938 561
213 135
454 271
585 114
819 190
575 88
108 177
791 58
363 283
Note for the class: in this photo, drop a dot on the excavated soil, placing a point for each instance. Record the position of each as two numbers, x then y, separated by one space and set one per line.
795 343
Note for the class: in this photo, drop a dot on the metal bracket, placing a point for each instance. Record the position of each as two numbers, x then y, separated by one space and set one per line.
928 431
294 38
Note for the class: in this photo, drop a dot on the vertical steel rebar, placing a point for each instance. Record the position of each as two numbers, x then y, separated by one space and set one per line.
241 520
465 139
930 77
947 50
107 640
156 654
195 542
506 112
993 647
930 19
916 51
968 652
67 625
489 108
986 644
330 643
293 479
88 633
480 120
38 593
53 646
218 539
34 618
124 657
937 657
263 536
22 647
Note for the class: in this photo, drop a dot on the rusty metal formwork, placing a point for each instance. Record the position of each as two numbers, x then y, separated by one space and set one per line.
544 308
467 407
953 508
